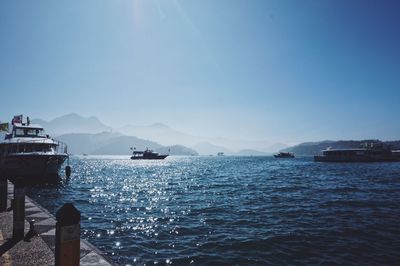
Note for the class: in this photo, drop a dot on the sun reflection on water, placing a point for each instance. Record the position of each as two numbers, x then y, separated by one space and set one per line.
185 210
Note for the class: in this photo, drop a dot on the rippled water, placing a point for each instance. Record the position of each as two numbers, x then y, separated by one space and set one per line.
234 210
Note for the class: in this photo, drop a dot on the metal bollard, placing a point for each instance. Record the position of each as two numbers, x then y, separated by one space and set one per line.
67 236
32 231
18 212
3 194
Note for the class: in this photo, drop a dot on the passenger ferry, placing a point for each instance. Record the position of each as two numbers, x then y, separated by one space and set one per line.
28 152
373 152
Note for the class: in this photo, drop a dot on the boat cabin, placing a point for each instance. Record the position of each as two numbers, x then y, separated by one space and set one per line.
30 131
26 138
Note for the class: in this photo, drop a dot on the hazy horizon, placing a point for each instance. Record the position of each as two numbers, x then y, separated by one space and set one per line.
282 71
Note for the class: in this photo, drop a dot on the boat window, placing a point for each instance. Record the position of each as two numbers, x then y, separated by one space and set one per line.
46 148
40 132
32 132
19 132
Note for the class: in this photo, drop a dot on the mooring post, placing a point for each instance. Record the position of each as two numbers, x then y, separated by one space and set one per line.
3 194
67 236
19 211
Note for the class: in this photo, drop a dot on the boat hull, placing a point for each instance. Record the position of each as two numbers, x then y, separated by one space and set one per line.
158 157
31 165
285 156
355 159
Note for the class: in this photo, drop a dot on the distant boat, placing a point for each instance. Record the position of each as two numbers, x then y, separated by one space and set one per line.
284 155
147 155
373 152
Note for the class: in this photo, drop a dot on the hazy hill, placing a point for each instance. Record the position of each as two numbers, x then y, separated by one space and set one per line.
166 135
250 152
72 123
313 148
122 144
159 133
205 148
177 150
115 144
104 143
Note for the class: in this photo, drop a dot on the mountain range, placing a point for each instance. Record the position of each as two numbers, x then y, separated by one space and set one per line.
166 135
116 144
90 135
313 148
72 123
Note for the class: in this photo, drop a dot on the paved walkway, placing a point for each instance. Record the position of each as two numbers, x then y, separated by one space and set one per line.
37 250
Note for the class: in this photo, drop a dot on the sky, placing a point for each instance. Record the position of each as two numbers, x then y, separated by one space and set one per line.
284 71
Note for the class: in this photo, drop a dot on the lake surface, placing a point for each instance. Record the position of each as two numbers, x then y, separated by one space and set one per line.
234 210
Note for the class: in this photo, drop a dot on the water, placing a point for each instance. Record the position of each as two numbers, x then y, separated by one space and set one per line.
234 210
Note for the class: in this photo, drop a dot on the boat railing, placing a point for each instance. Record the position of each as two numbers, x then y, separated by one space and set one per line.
58 147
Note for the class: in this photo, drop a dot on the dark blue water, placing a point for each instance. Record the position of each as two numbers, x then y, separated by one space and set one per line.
235 210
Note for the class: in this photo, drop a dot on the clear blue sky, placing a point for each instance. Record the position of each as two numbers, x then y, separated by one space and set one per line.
286 71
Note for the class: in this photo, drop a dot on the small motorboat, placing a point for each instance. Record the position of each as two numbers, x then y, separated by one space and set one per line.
284 155
147 155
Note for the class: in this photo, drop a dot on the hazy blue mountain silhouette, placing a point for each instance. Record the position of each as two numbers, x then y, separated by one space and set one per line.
313 148
104 143
115 144
166 135
250 152
158 133
73 123
177 150
206 148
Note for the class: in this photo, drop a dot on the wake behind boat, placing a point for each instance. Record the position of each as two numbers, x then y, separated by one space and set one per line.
147 155
28 152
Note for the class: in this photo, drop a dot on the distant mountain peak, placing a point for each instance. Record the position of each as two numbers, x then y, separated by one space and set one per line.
159 125
73 123
69 116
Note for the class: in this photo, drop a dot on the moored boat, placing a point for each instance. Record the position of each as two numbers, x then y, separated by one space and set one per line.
27 152
371 152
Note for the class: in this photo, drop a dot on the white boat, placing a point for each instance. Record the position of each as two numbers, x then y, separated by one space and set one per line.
27 152
284 155
147 155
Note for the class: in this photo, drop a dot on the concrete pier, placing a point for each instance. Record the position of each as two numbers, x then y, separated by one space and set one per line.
38 248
